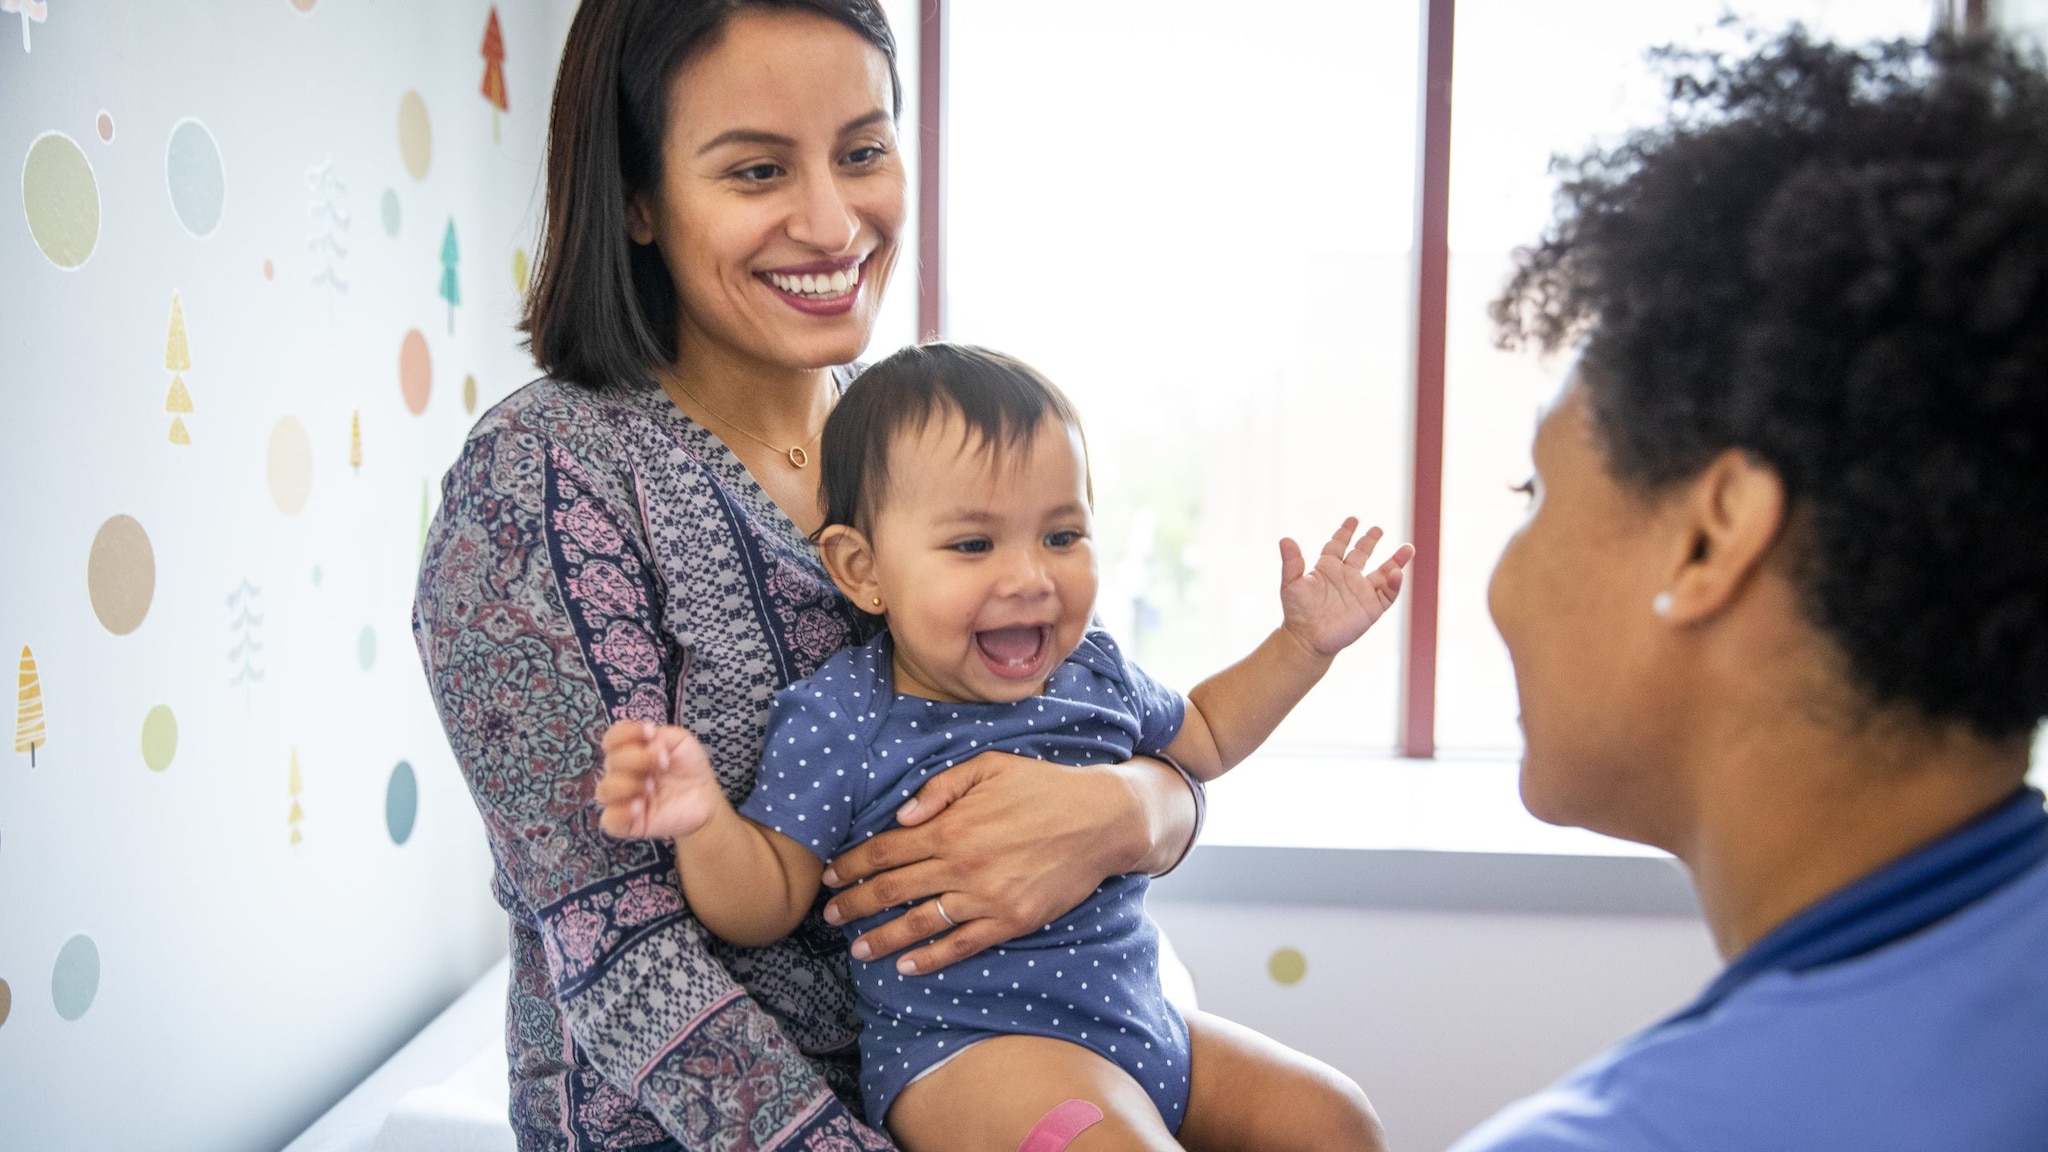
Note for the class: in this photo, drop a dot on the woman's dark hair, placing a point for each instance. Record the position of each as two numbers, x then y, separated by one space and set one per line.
602 308
1002 400
1835 260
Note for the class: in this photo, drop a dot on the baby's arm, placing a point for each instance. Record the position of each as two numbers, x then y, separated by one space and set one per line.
1324 610
750 885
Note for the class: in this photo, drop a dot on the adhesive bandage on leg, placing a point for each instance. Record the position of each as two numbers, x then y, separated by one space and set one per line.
1057 1128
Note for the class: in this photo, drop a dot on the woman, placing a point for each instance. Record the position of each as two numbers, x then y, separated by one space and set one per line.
628 538
1781 604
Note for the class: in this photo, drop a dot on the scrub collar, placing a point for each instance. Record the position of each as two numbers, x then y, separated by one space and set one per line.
1897 900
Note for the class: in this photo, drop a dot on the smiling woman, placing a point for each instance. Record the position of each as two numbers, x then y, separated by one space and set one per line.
628 539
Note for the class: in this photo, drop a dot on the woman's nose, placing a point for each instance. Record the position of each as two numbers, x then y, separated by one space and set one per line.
825 218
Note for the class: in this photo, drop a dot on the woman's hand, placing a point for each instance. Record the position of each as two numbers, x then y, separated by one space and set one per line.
1006 844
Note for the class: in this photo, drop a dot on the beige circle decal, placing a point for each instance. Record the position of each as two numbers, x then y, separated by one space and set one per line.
415 372
120 575
415 135
290 465
61 198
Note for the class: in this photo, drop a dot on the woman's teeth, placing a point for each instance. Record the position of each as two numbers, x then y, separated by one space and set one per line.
818 287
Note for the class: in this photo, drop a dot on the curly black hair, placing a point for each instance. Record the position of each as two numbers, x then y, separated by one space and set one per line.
1835 260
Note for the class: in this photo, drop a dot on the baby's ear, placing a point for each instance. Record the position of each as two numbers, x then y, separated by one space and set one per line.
850 560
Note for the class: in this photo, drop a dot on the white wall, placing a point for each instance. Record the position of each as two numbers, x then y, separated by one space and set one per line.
1442 1017
257 941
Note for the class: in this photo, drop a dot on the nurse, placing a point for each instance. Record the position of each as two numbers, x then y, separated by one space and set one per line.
1780 606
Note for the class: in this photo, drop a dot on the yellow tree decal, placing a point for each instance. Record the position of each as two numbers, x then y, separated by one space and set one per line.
28 709
297 814
177 359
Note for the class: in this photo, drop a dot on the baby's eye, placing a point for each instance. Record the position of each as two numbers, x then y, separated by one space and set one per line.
1526 488
973 547
1065 539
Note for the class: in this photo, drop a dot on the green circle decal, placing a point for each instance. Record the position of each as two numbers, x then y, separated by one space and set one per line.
366 648
401 802
75 980
392 215
61 198
159 738
1287 966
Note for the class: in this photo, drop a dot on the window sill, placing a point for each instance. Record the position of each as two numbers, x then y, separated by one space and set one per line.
1443 835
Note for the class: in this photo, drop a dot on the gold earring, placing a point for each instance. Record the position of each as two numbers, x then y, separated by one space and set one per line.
876 601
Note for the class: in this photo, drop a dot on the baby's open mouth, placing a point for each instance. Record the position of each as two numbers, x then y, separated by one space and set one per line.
1014 652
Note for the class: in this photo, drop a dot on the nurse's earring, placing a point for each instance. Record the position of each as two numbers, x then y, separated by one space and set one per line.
876 601
1663 604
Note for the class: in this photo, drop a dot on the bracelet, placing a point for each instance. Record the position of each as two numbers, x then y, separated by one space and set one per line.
1201 792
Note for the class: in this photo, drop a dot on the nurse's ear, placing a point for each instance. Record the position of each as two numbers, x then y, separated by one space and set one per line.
850 559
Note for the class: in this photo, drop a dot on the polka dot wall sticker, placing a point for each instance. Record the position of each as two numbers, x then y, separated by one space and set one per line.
415 372
159 738
391 212
104 125
366 648
6 1003
61 199
469 394
269 270
415 135
521 269
193 173
120 574
289 465
304 7
75 977
401 802
1287 966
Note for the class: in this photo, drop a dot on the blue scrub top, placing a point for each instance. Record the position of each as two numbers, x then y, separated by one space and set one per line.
1907 1012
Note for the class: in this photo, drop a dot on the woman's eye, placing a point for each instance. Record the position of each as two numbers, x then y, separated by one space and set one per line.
759 173
1525 488
973 547
862 157
1062 539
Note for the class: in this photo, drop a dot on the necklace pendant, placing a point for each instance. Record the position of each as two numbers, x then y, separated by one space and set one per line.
798 457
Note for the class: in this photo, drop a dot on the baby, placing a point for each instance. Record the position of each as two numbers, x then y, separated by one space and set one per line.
958 510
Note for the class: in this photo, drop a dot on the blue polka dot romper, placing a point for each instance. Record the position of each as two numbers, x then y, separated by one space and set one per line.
845 750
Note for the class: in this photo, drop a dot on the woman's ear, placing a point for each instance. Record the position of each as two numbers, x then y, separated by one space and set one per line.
1732 514
850 559
639 219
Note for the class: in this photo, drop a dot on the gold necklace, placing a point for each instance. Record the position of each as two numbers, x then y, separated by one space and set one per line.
796 455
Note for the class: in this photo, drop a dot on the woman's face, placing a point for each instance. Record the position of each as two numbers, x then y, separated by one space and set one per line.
1572 597
782 191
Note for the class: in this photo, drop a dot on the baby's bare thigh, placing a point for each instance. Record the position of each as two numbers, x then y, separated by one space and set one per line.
987 1098
1249 1094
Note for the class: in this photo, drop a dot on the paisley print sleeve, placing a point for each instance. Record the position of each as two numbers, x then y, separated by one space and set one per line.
538 623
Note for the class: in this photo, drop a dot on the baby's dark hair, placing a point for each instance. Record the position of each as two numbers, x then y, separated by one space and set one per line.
1002 400
1835 260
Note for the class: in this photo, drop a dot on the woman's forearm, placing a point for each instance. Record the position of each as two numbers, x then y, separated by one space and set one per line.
1162 824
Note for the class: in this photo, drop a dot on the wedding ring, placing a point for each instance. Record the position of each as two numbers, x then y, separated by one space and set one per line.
937 902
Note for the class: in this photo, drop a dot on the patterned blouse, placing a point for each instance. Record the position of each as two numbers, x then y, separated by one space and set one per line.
599 556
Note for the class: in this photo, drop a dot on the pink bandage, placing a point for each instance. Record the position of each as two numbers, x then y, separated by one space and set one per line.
1057 1128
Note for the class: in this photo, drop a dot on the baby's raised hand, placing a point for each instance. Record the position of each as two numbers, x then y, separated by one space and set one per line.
657 781
1328 607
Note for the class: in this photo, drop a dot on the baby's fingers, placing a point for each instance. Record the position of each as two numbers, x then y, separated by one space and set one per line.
1291 563
1341 539
1361 553
626 733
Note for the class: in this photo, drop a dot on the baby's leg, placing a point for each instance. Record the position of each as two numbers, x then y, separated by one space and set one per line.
988 1098
1249 1094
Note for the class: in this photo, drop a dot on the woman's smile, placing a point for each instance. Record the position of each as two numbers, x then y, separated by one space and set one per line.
820 287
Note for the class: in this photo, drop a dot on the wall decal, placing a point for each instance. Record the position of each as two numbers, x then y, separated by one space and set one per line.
355 440
246 626
29 733
494 71
269 270
415 135
75 978
177 360
1287 966
391 212
104 125
415 371
366 648
61 198
6 1002
159 738
450 290
401 803
36 10
292 784
120 574
521 270
425 519
289 465
193 172
330 222
469 394
304 7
